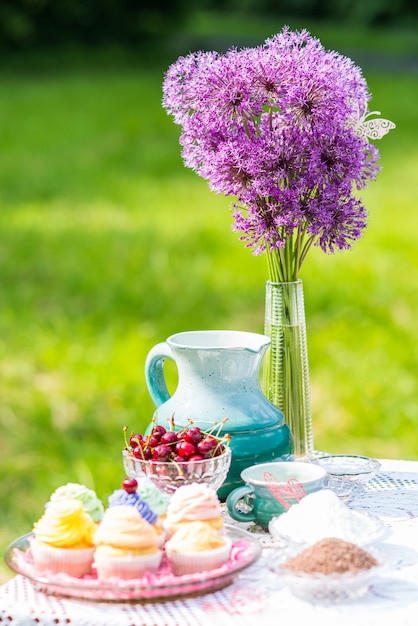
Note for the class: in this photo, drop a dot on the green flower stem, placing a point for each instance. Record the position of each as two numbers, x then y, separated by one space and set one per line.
285 263
286 372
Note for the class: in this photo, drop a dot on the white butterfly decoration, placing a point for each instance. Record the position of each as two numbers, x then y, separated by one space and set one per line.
375 128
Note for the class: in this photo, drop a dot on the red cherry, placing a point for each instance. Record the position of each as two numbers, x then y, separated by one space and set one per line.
158 431
193 435
143 454
205 448
185 449
135 440
195 457
130 485
161 452
211 440
152 441
220 449
178 459
146 454
138 453
168 437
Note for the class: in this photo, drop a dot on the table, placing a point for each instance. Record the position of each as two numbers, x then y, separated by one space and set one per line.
258 594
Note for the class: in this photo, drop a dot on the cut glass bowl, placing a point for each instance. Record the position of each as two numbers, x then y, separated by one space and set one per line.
168 476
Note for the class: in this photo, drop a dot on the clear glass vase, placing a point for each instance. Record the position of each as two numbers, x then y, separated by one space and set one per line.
286 369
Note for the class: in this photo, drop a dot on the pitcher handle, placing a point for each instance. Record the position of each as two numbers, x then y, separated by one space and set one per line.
154 372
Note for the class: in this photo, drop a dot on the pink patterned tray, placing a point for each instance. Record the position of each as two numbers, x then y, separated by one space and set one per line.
164 585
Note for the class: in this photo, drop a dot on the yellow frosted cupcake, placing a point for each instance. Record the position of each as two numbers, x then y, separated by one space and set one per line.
197 547
63 539
126 545
192 503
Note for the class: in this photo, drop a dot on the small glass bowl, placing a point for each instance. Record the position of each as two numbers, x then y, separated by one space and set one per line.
344 489
169 476
330 588
349 467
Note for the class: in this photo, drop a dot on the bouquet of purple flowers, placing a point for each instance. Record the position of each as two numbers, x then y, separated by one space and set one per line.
285 128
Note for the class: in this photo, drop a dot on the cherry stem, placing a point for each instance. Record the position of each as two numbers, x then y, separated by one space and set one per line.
179 468
125 428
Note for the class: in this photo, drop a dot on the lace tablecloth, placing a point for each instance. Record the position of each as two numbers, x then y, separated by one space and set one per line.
257 593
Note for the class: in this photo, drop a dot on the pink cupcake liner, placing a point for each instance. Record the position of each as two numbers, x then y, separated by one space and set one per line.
200 561
127 567
75 562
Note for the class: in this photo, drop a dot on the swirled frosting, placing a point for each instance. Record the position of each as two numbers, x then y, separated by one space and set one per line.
193 502
123 528
120 497
195 537
154 497
65 524
88 498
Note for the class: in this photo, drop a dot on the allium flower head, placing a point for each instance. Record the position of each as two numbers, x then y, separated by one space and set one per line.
282 128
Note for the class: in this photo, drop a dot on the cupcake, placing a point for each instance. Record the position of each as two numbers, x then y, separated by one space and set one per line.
197 547
126 545
63 539
121 497
88 498
129 496
154 497
192 503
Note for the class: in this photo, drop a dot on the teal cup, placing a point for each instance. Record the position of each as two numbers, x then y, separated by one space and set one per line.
270 489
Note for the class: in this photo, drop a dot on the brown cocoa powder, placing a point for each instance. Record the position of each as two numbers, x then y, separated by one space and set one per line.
331 556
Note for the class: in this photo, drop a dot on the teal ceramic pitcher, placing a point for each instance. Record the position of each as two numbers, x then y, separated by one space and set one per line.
218 377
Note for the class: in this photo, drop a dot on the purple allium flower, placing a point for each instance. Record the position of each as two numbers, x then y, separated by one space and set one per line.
279 127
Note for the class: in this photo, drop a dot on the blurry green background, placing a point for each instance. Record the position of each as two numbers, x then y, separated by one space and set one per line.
108 244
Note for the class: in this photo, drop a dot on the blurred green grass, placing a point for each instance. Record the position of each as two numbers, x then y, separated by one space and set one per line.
108 245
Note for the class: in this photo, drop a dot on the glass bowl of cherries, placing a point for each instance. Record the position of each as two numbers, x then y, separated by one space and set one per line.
172 457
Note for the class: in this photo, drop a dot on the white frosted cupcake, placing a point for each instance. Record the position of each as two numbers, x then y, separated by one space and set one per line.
126 545
197 547
192 503
63 540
